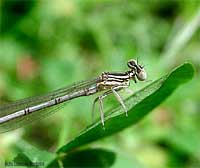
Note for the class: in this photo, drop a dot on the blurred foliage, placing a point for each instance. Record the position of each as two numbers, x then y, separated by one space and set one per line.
45 45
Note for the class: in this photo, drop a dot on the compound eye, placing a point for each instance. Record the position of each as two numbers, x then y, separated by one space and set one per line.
142 75
132 63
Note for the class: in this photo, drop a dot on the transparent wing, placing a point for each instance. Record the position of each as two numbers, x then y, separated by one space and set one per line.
32 101
28 119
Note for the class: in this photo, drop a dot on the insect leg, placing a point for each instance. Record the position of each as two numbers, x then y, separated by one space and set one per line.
101 109
100 98
118 97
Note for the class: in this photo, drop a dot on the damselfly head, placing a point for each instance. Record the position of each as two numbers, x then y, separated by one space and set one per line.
138 69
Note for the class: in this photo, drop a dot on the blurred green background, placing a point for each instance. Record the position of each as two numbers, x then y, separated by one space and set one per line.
48 44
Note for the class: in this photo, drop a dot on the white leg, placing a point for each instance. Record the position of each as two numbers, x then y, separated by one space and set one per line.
100 98
118 97
101 109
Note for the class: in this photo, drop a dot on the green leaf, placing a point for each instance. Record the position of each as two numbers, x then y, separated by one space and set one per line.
138 104
33 154
22 160
85 158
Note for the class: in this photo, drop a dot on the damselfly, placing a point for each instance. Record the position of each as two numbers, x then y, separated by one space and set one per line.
19 113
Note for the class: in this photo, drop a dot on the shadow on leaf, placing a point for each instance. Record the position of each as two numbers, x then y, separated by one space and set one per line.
85 158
